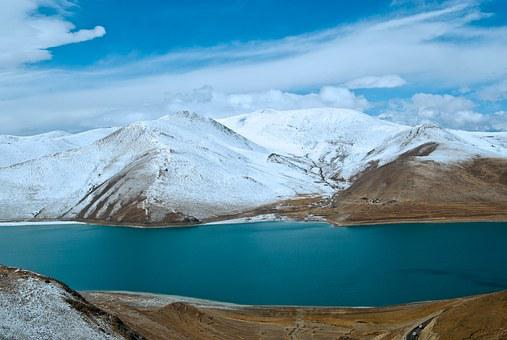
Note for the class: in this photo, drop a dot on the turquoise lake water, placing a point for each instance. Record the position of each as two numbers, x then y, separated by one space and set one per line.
280 263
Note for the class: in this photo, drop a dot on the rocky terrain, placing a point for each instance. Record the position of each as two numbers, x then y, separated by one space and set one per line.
37 307
339 165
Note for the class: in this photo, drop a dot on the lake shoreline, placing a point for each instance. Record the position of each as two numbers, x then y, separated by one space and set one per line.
155 316
134 315
159 298
261 219
315 258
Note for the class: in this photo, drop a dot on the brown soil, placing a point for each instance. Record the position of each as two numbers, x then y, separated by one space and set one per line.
479 317
411 190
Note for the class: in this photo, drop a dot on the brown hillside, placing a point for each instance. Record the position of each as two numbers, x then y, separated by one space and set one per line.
411 189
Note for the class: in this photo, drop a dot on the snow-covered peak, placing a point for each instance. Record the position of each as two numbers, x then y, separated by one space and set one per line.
17 149
451 145
425 133
408 139
179 165
336 144
185 166
187 124
330 142
299 132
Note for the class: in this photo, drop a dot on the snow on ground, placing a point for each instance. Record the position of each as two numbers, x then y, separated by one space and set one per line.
196 166
301 132
330 142
253 219
38 223
339 143
14 149
31 308
183 162
263 218
493 144
220 169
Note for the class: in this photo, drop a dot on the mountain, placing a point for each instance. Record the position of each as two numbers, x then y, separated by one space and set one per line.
16 149
36 307
177 169
384 172
185 168
325 141
340 143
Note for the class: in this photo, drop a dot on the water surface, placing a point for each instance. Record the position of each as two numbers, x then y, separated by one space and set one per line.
270 263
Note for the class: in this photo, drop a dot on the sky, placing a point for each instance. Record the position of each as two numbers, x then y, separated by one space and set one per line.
79 64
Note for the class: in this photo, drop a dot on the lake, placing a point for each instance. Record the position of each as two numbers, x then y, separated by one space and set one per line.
283 263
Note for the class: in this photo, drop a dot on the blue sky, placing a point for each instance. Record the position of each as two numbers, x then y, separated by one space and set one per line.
81 64
159 26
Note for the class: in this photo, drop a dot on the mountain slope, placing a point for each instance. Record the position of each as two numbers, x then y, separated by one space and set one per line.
37 307
408 189
325 141
184 168
16 149
341 143
385 172
179 168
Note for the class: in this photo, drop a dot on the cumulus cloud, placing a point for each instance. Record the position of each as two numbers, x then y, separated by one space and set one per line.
445 110
26 35
208 101
370 82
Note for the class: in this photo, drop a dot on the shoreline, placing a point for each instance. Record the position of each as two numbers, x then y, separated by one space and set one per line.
206 303
45 222
153 317
261 219
433 220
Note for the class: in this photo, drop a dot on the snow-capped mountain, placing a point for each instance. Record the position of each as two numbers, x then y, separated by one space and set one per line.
177 168
184 168
14 149
339 143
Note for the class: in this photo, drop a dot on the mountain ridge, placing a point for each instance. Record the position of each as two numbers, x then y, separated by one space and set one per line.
184 168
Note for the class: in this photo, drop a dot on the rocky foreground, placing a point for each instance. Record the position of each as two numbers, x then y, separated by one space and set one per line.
37 307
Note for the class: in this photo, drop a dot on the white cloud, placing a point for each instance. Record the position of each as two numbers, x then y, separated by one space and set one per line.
26 36
499 121
437 48
494 92
370 82
208 101
444 110
425 48
205 100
